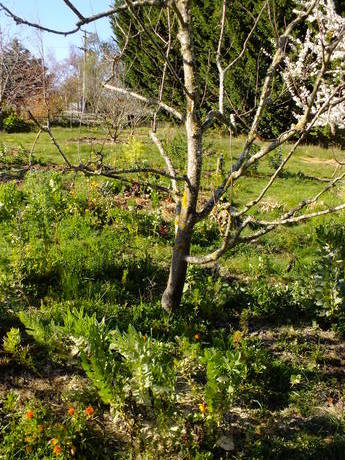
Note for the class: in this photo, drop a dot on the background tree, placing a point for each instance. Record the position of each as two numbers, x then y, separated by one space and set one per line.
20 75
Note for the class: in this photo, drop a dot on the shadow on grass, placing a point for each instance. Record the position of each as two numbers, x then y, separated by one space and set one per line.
137 280
318 438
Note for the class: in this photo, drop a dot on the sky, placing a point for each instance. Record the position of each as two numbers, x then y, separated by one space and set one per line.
54 14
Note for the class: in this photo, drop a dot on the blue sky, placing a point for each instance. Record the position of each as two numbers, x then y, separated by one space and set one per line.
55 14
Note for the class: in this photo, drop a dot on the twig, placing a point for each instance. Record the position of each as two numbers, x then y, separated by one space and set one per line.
33 147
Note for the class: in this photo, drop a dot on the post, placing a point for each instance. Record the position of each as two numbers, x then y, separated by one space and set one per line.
84 49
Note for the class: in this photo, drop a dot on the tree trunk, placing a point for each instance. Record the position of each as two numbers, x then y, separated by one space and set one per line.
172 296
185 219
114 135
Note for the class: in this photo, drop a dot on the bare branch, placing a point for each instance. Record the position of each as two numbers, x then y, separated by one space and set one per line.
157 46
168 162
33 147
245 44
271 181
277 58
90 172
47 130
226 245
74 9
165 68
287 218
295 220
215 115
146 100
223 71
85 20
291 220
290 216
135 170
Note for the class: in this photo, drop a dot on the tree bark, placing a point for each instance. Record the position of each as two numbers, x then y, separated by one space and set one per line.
178 269
185 216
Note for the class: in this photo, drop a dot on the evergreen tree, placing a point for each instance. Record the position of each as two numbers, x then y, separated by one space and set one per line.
242 83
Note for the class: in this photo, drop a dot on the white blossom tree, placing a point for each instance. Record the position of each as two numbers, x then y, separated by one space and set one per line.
306 60
314 73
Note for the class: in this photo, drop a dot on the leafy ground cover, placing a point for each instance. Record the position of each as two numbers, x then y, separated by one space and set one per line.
251 367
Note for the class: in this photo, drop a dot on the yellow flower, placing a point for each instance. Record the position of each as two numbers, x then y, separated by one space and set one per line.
202 408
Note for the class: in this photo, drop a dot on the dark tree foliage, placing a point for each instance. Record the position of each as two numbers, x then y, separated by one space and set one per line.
340 7
242 82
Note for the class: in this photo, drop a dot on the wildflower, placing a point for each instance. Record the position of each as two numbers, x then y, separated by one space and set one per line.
57 450
71 411
202 408
197 336
29 414
237 338
89 410
144 338
54 441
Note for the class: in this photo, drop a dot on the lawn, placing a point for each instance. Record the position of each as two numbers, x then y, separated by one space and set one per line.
250 367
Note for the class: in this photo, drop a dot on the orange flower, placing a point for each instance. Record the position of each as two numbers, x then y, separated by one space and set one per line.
89 410
202 408
144 338
54 441
57 450
197 336
71 411
29 414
